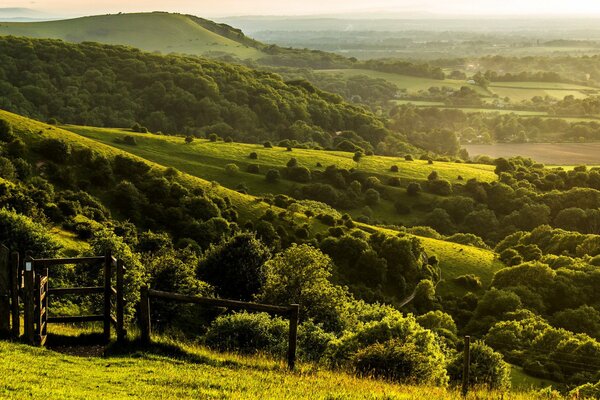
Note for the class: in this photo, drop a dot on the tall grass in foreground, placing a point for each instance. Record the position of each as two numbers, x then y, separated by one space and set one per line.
170 369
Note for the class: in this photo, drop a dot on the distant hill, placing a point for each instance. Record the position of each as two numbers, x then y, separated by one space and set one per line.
16 14
163 32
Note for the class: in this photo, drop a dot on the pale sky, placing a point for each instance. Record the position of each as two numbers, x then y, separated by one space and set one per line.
212 8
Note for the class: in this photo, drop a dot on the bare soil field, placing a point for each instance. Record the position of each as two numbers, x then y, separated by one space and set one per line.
547 153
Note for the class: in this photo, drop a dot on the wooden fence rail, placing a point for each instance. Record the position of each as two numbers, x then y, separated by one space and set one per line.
291 312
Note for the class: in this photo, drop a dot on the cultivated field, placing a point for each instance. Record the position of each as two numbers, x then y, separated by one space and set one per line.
547 153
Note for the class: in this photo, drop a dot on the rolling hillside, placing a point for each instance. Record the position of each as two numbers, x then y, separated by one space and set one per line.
206 160
162 32
455 259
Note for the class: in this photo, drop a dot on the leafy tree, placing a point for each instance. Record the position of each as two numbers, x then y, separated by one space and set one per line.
301 274
235 267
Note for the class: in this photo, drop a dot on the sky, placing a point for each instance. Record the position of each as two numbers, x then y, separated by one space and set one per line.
222 8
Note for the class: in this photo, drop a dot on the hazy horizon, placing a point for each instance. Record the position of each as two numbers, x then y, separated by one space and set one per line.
348 8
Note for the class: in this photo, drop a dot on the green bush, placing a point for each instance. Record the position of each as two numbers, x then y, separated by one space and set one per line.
469 281
248 334
272 176
413 189
313 341
21 233
253 155
56 150
6 131
398 361
130 140
232 169
487 368
253 169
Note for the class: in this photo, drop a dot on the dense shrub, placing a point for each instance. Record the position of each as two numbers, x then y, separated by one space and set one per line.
232 169
413 189
253 155
487 368
394 168
248 333
272 176
299 174
56 150
130 140
6 131
441 187
253 169
20 233
469 281
372 197
213 137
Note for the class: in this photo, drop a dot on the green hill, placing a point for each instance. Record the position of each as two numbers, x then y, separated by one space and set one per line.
455 259
163 32
207 160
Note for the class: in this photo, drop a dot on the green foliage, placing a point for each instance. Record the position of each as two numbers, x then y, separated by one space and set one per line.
21 233
6 131
235 267
232 169
487 368
104 242
272 176
301 274
247 333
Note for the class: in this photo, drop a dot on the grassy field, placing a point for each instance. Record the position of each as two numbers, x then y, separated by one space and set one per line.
169 371
167 33
547 153
516 91
411 83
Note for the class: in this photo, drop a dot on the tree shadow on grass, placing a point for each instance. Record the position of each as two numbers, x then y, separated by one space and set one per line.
174 352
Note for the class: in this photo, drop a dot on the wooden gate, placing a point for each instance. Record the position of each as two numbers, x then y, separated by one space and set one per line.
29 282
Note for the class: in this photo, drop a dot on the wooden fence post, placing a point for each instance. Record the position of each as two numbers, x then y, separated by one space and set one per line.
121 334
15 286
293 335
107 295
466 366
145 324
5 285
29 276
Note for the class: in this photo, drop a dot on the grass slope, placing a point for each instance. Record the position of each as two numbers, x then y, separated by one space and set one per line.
186 372
164 32
206 159
455 259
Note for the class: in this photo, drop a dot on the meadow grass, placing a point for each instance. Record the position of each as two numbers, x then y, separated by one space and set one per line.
202 154
169 370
